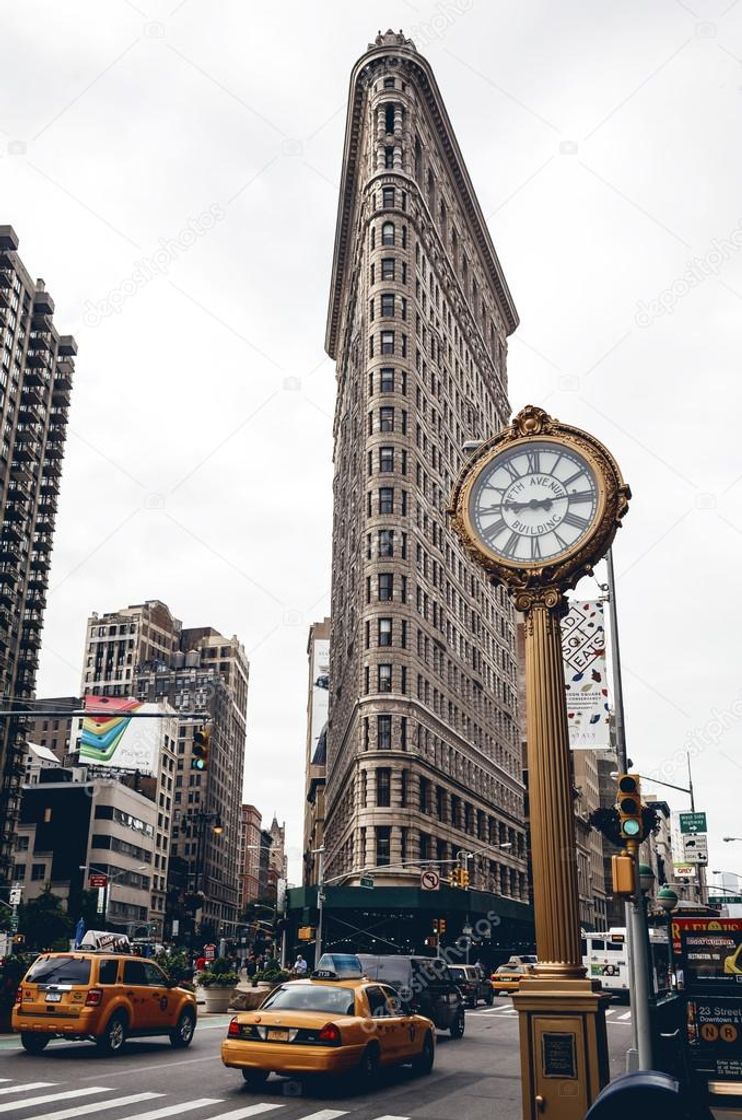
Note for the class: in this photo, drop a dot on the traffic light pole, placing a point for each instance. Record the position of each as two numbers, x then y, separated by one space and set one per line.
632 1053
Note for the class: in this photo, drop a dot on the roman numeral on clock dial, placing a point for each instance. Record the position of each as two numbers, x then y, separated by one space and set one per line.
575 520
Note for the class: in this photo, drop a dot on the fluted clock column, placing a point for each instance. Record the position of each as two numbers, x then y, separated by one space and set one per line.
555 890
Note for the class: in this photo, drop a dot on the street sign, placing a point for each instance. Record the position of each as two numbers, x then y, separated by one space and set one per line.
430 880
97 881
685 870
725 900
695 848
16 894
366 881
693 822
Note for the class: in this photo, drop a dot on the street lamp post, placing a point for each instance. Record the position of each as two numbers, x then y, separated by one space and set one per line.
320 903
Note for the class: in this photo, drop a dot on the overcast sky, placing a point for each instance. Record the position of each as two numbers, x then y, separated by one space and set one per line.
171 169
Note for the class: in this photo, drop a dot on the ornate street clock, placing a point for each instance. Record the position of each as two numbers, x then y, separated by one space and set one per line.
539 503
536 506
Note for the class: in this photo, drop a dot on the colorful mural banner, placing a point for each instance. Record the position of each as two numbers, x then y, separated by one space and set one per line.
583 652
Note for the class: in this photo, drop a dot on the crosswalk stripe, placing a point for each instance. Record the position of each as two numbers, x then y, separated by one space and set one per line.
173 1109
385 1117
29 1102
325 1114
626 1015
95 1106
255 1110
18 1088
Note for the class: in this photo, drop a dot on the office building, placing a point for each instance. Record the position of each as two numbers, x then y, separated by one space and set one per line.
250 847
36 368
315 758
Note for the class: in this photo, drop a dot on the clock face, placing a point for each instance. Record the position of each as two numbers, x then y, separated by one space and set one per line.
534 502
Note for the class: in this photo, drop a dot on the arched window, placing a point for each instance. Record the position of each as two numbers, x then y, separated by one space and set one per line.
387 233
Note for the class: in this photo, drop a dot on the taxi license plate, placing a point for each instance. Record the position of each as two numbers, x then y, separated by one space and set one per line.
53 997
278 1036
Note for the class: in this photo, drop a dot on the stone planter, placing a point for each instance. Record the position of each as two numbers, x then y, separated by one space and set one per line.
217 999
249 999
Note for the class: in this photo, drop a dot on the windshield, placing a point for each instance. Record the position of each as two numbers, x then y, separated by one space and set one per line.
311 997
458 974
510 968
59 970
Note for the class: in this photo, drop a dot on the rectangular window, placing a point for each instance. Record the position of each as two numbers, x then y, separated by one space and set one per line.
385 677
387 268
37 871
386 460
383 786
383 843
387 233
389 162
386 586
387 193
385 631
387 380
403 733
386 543
384 732
403 789
387 306
386 499
386 419
387 342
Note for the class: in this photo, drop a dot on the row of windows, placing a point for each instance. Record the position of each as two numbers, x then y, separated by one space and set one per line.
386 420
387 501
389 235
387 460
388 344
387 380
384 630
389 305
385 587
388 270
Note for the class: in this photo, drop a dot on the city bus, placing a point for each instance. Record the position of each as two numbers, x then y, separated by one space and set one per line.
606 959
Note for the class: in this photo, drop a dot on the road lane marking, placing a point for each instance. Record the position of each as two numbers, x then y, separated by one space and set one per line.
95 1106
173 1109
253 1110
19 1088
29 1102
325 1114
386 1117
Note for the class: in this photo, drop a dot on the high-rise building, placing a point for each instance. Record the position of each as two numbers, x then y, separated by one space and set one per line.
250 848
143 651
315 759
423 750
36 367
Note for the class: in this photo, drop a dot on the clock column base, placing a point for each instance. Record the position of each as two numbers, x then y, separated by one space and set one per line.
563 1046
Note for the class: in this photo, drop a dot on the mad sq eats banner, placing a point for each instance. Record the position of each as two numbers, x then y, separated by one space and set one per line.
583 651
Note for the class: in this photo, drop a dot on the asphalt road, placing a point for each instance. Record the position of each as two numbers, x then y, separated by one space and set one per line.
473 1079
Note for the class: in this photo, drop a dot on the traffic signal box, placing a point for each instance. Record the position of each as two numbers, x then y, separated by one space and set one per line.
201 748
631 829
630 808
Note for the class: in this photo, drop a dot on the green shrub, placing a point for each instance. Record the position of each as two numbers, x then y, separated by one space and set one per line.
210 979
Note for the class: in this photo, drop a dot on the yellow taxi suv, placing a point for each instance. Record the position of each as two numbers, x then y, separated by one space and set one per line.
104 997
334 1022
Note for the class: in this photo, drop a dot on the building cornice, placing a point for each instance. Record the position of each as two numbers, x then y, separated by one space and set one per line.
429 91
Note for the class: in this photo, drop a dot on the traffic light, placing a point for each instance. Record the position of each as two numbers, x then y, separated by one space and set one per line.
630 807
201 747
430 943
436 926
453 877
464 878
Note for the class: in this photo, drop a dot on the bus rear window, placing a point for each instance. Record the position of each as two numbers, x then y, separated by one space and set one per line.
616 946
59 970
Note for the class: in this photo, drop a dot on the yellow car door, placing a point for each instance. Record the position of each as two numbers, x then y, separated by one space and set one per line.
385 1026
403 1032
137 993
160 1001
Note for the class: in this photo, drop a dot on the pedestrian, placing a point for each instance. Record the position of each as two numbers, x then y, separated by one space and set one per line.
251 967
300 965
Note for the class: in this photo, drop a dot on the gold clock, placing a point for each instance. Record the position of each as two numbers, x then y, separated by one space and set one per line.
539 503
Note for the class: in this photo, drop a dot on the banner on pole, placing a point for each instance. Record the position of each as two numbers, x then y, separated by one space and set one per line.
583 652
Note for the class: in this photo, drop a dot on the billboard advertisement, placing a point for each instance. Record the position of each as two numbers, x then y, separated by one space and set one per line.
583 653
113 738
320 702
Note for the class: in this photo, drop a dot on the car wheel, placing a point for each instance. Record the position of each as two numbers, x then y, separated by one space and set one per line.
369 1066
114 1036
182 1036
423 1062
458 1025
33 1043
255 1079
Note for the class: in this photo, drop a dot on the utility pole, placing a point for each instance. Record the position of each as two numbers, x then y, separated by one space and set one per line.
639 1055
320 904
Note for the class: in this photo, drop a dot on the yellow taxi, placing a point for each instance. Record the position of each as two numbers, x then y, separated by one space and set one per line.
333 1022
507 977
105 997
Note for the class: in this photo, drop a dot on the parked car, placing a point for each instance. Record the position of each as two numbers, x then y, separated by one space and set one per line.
473 984
425 985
